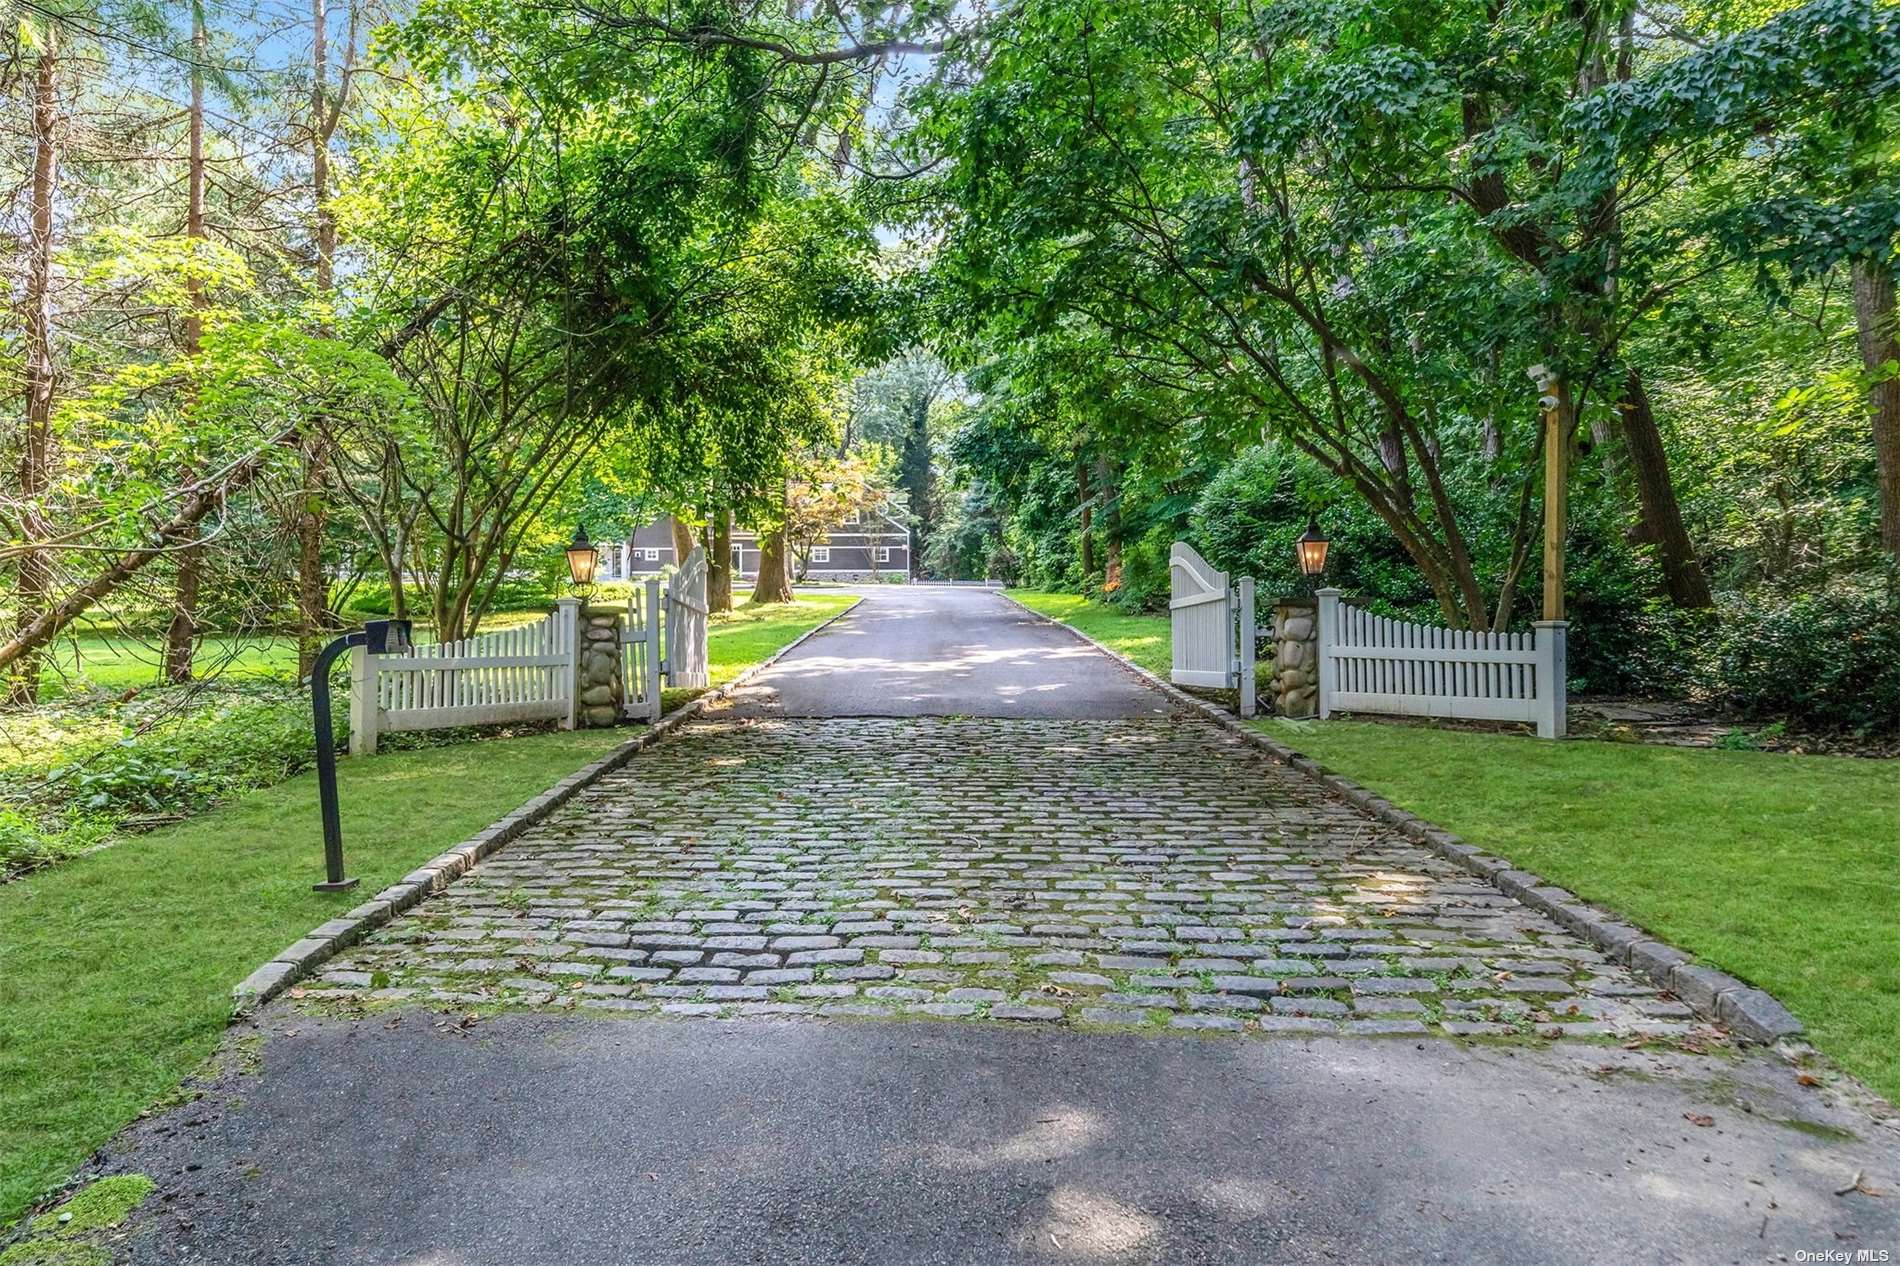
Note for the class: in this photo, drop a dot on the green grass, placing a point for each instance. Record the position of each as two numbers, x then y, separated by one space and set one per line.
1142 638
747 634
121 661
1784 870
116 968
117 661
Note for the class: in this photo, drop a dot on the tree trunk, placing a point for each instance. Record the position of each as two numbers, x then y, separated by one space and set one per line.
182 526
682 539
1392 458
1088 518
719 562
313 589
1662 518
1879 344
181 638
1112 562
36 449
775 582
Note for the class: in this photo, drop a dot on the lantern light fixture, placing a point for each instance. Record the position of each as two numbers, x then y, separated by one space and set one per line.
1311 549
582 560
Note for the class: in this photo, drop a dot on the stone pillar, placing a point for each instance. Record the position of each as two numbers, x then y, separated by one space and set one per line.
603 693
1296 657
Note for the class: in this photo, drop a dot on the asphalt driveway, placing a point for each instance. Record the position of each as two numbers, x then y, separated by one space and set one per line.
531 1140
947 650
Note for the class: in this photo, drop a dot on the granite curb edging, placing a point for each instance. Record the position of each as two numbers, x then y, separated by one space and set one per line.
1748 1012
299 959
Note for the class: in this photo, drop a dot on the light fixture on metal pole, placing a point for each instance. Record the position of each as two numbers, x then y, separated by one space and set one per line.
582 561
378 637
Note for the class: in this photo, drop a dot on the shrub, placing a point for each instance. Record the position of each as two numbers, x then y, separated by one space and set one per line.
1144 579
1250 514
1829 658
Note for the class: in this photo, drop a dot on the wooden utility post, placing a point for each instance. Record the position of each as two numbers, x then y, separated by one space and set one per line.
1554 400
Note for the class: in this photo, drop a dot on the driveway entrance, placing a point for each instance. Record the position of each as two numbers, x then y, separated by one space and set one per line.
992 979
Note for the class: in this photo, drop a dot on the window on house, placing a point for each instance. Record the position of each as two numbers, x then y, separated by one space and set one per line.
883 553
650 555
820 554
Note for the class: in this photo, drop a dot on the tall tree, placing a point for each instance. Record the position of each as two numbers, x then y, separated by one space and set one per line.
36 458
1879 338
325 113
181 635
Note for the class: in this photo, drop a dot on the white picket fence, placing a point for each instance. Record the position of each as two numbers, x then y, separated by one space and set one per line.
522 674
1212 626
533 673
1371 664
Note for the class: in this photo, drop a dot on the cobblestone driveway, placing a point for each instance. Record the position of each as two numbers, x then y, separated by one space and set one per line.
1095 872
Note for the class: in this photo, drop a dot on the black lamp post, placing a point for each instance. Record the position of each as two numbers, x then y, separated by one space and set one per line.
379 637
582 560
1311 549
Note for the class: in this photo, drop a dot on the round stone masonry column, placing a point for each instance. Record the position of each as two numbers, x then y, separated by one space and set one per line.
603 691
1296 657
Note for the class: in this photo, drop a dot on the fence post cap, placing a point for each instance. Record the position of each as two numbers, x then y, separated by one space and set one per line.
1329 593
1550 624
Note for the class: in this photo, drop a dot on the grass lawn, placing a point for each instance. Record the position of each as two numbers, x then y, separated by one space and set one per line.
115 661
1784 870
121 661
116 968
748 634
1143 638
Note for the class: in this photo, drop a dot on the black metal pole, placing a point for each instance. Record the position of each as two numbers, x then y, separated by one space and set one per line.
326 764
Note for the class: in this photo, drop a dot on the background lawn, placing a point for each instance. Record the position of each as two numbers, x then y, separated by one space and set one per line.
749 634
116 968
107 660
1784 870
1143 638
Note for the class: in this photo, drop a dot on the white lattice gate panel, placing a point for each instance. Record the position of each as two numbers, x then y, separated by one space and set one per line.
1200 611
520 674
1369 663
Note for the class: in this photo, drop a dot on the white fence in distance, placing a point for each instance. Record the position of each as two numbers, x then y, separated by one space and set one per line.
522 674
1368 663
1212 626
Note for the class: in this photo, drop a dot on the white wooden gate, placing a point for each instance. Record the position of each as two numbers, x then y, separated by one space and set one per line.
1213 626
1371 664
686 613
524 674
640 662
